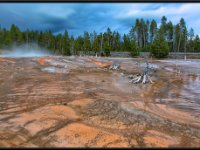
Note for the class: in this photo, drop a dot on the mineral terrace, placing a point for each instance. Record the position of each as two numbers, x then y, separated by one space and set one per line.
72 101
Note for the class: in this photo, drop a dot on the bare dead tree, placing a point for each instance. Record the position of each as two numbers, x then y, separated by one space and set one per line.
101 43
143 76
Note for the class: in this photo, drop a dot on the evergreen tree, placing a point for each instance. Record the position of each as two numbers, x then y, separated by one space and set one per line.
126 46
183 38
142 37
116 41
170 33
66 44
196 44
163 26
87 43
153 30
72 41
159 47
95 44
190 45
78 44
107 48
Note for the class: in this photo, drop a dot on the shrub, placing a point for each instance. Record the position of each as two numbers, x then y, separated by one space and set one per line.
159 49
135 52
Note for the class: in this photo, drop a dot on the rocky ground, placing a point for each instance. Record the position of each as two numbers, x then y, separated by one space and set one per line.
77 102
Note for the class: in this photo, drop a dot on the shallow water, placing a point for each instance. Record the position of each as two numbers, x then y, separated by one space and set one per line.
55 70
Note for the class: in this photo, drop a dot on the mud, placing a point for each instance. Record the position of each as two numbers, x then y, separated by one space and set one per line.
78 102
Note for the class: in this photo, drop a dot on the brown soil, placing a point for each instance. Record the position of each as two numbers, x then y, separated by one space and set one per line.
77 102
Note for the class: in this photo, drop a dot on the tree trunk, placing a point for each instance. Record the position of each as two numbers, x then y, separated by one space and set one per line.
179 42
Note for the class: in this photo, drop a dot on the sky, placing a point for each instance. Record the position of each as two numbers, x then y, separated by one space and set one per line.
79 17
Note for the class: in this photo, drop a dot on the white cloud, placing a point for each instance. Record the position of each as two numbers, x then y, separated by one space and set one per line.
173 12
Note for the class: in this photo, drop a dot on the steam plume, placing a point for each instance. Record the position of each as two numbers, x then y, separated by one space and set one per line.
26 50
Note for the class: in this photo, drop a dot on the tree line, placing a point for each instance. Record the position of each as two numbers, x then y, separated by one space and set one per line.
144 36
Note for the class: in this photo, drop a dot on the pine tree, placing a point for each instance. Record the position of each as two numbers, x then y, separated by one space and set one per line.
169 30
159 47
153 30
184 35
196 44
72 41
95 44
87 43
107 48
66 44
190 45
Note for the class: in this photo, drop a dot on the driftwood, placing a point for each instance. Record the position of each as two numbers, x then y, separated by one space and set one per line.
142 77
114 67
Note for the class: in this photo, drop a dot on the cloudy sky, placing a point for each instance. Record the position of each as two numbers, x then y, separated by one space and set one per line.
80 17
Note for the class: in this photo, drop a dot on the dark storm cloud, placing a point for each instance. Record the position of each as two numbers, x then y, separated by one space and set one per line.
56 24
77 17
